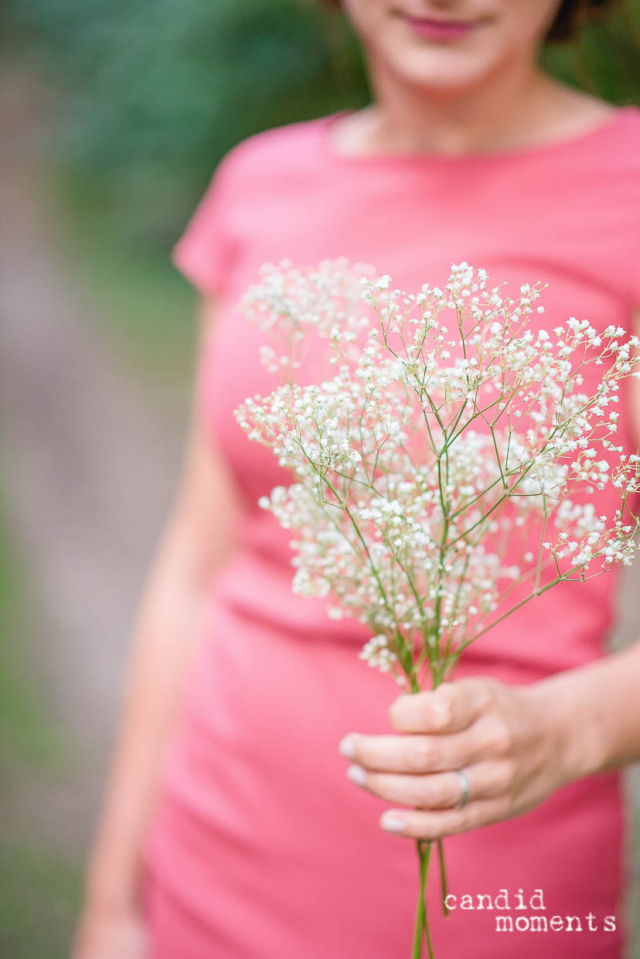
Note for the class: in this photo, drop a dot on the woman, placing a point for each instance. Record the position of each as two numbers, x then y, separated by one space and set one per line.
230 828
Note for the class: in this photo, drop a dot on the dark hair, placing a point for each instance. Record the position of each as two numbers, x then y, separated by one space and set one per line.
571 16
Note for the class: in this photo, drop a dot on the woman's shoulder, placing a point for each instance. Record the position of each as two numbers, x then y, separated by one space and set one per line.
627 130
614 172
279 149
617 140
631 112
598 170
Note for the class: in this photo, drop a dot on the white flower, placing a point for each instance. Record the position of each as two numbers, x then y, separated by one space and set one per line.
448 439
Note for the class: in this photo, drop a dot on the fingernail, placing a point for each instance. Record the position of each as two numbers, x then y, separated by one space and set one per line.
347 747
357 775
392 823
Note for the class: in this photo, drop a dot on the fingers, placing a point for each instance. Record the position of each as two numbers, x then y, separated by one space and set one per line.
475 724
451 707
416 824
487 780
410 754
425 754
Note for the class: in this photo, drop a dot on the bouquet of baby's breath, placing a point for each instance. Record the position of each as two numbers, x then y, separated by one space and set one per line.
445 468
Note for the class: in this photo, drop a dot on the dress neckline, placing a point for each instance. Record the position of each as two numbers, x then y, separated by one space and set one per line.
616 118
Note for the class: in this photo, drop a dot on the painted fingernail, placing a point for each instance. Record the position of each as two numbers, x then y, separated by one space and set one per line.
347 747
357 775
392 823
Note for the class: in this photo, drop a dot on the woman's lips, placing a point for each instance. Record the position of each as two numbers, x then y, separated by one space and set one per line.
440 29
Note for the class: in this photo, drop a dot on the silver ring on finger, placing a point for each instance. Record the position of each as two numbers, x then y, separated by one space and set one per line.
464 789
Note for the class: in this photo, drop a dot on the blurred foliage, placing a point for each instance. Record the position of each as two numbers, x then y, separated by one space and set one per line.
40 893
605 59
24 732
156 91
39 882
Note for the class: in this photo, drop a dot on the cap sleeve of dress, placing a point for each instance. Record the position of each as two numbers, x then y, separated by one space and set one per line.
205 251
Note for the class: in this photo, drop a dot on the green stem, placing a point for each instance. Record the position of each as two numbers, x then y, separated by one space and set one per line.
437 679
443 879
422 923
423 847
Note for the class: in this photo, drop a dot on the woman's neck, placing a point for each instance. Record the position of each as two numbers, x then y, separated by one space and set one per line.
510 110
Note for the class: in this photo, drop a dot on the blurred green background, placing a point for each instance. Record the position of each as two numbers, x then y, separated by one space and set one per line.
113 115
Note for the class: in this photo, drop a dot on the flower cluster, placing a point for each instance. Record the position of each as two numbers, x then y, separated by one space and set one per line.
444 471
376 652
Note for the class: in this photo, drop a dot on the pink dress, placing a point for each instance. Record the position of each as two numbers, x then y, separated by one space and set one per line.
261 847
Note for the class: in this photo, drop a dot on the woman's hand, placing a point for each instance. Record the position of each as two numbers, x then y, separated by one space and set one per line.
516 745
110 935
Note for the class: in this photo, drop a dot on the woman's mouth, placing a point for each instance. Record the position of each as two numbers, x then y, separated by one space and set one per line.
443 30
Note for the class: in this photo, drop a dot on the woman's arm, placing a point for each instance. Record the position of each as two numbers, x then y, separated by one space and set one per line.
197 539
517 744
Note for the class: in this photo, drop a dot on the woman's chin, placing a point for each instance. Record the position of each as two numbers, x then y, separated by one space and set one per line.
444 73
